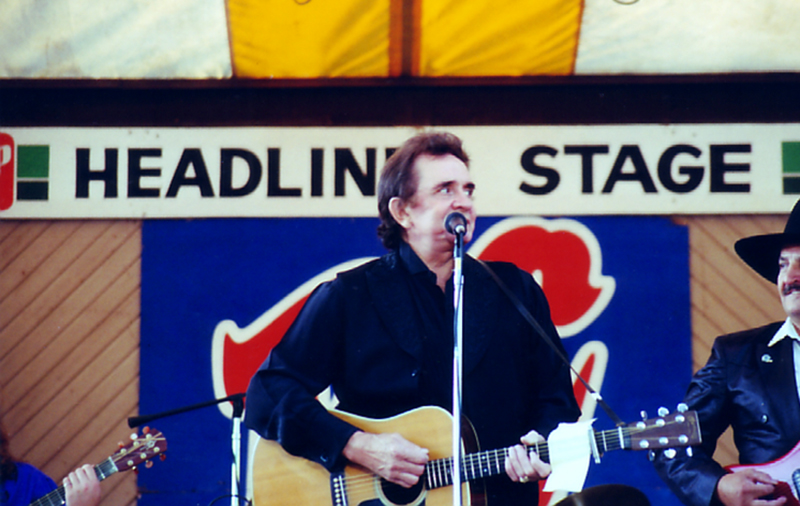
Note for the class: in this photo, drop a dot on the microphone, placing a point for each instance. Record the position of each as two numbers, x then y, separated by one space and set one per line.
455 223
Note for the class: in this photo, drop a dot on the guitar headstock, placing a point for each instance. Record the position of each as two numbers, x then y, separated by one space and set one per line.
674 430
140 450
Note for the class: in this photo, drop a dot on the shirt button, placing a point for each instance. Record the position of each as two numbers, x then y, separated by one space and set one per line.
764 418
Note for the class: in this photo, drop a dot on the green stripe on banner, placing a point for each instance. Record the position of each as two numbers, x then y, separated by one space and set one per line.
791 158
33 161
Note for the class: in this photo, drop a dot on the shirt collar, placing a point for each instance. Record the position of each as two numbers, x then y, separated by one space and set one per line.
787 330
413 263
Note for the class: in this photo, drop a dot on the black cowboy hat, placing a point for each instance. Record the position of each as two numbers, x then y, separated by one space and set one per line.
761 252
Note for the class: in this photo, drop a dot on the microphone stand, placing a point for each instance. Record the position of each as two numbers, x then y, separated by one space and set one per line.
236 438
458 337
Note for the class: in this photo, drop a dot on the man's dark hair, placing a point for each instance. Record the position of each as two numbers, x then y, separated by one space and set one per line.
398 178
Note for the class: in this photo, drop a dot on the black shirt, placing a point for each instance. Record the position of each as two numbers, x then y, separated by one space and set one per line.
435 313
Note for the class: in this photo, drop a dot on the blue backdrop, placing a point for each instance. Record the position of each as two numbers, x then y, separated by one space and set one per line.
196 273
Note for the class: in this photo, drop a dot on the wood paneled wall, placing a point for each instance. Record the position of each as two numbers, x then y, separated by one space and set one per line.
69 330
69 343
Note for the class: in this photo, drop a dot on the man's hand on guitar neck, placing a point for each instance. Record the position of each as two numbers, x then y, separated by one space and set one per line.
390 456
745 487
522 467
81 487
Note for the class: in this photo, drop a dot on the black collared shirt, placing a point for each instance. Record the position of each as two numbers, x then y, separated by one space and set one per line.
434 308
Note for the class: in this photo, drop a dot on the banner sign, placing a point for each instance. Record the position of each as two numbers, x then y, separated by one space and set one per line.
306 172
217 294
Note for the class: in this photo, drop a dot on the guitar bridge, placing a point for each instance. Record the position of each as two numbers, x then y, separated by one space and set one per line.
338 489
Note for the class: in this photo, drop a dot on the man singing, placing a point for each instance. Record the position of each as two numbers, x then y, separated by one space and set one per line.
382 336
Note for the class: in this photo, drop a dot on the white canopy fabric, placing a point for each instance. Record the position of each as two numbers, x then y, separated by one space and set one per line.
137 39
219 39
689 36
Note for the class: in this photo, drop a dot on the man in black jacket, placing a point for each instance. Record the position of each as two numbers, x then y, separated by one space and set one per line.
382 336
751 384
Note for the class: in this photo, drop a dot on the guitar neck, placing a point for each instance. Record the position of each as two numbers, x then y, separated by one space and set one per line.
58 496
492 462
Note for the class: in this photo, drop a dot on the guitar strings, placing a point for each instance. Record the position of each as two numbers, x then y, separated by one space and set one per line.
438 473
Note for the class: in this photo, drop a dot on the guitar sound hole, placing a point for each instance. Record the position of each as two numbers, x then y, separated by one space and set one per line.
396 494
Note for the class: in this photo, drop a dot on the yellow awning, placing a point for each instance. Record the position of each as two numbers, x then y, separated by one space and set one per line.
424 38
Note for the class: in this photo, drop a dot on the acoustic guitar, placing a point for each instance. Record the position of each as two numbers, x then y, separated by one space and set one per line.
786 470
140 450
280 479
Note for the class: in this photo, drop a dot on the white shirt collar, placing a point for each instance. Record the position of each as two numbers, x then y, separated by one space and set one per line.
787 330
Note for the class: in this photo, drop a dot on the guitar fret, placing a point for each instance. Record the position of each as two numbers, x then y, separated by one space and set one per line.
541 450
442 473
448 472
430 473
433 474
439 473
428 483
610 439
105 469
55 498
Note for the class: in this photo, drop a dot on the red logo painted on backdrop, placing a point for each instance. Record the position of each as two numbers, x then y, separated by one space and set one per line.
563 254
6 171
236 353
564 257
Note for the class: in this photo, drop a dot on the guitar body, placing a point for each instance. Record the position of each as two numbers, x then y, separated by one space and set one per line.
280 478
781 470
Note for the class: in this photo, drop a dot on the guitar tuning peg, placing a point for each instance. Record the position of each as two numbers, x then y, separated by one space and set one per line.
133 436
682 408
689 451
146 430
163 457
662 411
121 445
148 464
651 455
670 453
643 414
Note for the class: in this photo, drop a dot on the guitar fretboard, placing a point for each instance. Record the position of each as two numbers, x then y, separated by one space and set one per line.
438 473
58 497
